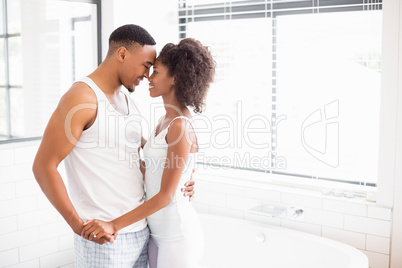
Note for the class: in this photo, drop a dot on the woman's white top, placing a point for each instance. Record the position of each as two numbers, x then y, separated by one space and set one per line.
104 179
175 220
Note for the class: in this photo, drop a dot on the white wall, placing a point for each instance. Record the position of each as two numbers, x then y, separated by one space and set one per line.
32 232
396 246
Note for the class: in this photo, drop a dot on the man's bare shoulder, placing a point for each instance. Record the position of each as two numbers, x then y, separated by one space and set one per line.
79 100
79 93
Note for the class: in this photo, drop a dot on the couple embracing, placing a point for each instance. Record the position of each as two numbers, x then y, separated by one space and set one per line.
116 222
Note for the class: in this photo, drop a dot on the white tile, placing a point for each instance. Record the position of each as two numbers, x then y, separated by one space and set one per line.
377 260
199 207
356 240
27 188
7 191
345 207
378 244
16 173
379 213
8 224
324 218
53 230
71 265
302 226
7 174
31 264
37 218
62 258
18 239
8 257
6 157
17 206
25 155
39 249
242 203
210 198
262 219
302 200
23 172
264 195
201 185
227 212
367 226
226 188
66 242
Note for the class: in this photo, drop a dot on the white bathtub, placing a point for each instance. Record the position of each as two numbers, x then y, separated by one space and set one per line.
236 243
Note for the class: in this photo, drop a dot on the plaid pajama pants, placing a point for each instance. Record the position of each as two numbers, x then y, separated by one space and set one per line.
129 250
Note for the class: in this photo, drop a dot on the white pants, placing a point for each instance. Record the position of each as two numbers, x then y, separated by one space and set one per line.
185 253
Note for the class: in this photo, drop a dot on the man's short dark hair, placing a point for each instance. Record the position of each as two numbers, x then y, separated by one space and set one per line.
129 35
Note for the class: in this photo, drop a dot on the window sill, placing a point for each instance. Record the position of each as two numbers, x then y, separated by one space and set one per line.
281 183
18 140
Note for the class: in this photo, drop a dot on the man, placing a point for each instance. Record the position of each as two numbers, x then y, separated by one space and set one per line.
96 129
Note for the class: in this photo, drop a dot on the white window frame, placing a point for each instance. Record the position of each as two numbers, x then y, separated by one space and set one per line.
10 138
300 181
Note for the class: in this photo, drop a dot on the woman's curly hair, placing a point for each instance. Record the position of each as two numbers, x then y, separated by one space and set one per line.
193 67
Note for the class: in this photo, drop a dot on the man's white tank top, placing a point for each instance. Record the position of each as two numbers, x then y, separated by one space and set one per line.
177 219
104 179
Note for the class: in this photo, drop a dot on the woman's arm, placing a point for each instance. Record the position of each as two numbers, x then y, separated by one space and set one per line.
178 150
143 141
188 187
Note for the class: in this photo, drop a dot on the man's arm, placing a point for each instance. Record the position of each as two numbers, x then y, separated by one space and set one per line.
77 109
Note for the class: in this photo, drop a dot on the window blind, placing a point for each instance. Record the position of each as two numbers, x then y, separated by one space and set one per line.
271 12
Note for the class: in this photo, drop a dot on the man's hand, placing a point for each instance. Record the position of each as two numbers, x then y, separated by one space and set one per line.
78 228
189 187
97 230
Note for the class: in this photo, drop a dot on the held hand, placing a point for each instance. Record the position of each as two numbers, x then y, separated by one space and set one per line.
96 229
104 239
189 187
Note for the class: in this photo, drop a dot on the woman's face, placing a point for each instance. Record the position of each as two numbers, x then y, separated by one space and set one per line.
160 83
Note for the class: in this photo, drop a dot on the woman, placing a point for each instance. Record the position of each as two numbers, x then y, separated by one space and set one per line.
182 74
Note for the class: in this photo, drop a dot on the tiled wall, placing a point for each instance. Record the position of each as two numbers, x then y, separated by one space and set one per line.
32 233
356 222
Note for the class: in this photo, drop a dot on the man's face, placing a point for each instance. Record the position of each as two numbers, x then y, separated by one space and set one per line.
136 65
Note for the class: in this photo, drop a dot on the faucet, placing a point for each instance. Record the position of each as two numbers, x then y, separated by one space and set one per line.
295 212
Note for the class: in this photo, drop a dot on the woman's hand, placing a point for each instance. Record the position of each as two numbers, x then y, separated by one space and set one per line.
188 189
99 229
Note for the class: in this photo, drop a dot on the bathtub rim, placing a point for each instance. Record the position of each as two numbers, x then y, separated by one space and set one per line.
358 258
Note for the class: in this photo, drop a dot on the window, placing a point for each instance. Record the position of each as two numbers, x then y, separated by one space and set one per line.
44 47
10 68
297 89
